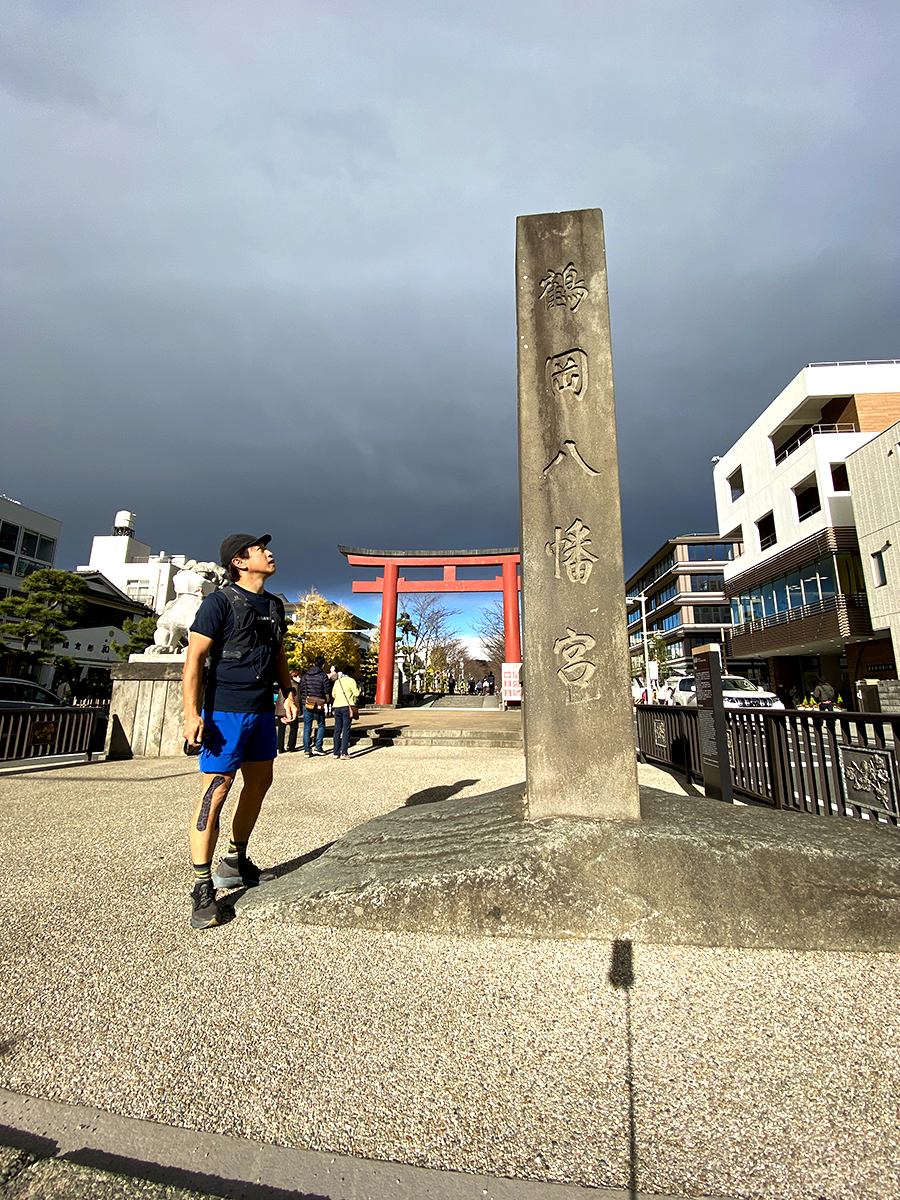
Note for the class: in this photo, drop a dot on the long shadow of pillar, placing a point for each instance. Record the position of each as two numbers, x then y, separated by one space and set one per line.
621 976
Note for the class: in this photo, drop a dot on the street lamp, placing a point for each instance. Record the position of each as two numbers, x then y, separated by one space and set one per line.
642 596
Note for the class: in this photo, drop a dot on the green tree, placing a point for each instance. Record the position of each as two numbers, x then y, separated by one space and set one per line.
141 634
657 648
51 601
321 628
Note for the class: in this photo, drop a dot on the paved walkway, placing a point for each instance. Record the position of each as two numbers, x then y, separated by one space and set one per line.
719 1072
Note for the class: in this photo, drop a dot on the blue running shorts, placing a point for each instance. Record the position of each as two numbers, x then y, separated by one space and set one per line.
230 739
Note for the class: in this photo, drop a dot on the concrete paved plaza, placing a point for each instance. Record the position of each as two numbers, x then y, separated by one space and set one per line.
721 1072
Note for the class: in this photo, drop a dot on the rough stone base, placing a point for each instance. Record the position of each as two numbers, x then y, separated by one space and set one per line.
692 872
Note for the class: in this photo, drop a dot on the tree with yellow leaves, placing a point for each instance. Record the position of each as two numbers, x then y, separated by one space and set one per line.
321 628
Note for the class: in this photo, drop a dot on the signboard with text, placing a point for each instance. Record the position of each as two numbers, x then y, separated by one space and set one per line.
510 683
714 756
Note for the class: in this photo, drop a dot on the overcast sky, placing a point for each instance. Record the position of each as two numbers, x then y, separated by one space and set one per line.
258 262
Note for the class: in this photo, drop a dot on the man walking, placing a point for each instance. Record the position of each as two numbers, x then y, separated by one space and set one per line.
315 694
240 628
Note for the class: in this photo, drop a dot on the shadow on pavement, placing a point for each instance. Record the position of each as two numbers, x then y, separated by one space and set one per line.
444 791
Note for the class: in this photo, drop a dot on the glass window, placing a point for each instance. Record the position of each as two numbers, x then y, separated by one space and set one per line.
839 480
736 484
768 597
795 592
29 544
826 578
736 618
707 583
756 603
45 549
25 568
671 622
878 569
781 595
809 578
9 536
711 614
765 528
7 563
807 497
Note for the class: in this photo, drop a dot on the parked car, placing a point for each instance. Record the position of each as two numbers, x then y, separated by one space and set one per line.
737 692
22 693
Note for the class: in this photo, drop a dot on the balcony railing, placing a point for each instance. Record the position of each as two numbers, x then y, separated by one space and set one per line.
789 447
815 609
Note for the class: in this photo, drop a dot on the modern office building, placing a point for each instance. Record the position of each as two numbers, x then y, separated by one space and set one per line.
683 586
797 589
874 475
28 542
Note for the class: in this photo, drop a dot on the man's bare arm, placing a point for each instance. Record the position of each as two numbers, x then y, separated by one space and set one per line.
192 687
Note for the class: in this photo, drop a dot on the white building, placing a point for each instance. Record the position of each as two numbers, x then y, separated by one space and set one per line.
798 591
130 565
28 542
874 474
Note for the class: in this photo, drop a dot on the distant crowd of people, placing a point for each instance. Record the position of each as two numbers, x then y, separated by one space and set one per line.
482 687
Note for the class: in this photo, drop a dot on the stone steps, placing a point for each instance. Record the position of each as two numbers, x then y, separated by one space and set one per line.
501 739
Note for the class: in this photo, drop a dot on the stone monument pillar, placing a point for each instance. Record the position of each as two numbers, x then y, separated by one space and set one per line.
578 720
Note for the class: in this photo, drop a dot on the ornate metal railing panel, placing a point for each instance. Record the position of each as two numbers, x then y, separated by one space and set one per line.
45 732
822 764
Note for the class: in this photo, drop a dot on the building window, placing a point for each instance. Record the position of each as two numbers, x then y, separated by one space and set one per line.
9 536
661 597
736 484
672 622
7 563
675 650
711 552
46 547
712 614
806 495
29 544
839 480
707 583
878 572
765 528
737 537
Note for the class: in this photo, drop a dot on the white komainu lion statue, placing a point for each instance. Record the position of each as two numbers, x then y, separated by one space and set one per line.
194 581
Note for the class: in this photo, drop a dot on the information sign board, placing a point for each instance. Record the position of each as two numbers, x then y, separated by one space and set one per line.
715 758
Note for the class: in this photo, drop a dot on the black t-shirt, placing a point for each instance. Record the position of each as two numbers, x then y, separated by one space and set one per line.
248 685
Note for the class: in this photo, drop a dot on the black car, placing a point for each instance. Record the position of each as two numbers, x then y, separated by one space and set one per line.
22 693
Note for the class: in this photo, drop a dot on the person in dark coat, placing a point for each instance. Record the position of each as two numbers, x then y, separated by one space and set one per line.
315 694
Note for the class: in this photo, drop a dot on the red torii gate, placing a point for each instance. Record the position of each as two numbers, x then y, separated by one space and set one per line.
391 582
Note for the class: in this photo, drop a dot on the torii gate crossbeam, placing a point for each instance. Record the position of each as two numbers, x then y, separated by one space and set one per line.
390 583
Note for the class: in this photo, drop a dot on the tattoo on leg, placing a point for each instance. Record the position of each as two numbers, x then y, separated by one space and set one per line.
206 804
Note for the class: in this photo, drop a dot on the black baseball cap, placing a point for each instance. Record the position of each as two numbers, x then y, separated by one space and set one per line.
236 542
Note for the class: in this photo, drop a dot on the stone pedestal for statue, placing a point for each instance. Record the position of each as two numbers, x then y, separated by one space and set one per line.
146 712
577 716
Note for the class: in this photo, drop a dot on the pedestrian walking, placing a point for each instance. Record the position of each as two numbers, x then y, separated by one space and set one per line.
315 696
238 632
344 694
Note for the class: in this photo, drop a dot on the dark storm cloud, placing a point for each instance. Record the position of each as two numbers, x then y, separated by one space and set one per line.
260 256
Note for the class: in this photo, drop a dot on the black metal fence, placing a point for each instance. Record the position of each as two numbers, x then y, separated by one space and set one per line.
45 732
824 764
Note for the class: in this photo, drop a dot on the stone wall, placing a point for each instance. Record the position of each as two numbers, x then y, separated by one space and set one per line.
146 712
889 695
